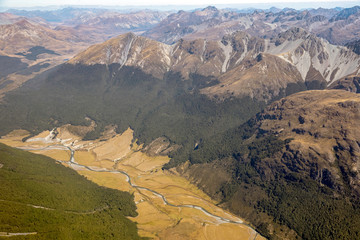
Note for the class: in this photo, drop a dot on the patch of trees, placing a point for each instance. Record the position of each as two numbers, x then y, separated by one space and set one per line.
171 107
80 209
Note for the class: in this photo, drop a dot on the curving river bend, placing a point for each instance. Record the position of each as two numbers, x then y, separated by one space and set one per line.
128 179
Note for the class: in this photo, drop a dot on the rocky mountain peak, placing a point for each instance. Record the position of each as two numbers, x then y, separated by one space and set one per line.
306 52
211 8
240 61
354 46
293 34
24 24
345 13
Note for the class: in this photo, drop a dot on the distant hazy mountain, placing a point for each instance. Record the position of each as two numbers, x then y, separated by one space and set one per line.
56 16
8 18
23 34
338 27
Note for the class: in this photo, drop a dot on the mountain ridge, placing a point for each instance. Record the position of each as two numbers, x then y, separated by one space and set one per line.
297 158
321 22
316 61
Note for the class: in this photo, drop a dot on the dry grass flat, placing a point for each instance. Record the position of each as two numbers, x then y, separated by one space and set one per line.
116 147
56 154
151 220
12 142
156 220
184 229
144 162
110 180
15 137
227 231
86 158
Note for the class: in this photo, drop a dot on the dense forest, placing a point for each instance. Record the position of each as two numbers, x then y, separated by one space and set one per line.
170 107
39 195
208 131
275 197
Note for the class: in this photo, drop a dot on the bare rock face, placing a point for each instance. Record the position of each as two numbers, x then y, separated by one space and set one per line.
129 50
263 78
206 58
245 66
324 128
308 53
354 46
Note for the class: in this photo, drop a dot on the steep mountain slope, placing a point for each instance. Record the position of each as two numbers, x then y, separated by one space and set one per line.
124 96
328 13
8 18
194 85
341 28
45 200
354 46
24 35
349 83
295 164
37 45
293 57
306 51
263 78
34 48
129 50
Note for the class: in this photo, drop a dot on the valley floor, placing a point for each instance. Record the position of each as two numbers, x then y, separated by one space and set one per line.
169 206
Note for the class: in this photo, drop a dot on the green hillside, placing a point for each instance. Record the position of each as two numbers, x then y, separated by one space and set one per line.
264 170
40 195
171 107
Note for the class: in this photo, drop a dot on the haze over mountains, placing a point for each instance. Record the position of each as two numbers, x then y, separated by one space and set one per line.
68 31
258 108
338 27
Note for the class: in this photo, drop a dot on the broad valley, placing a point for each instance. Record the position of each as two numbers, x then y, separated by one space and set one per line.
179 122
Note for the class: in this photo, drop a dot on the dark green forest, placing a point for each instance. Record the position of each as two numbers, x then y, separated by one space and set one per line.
269 194
208 130
76 207
170 107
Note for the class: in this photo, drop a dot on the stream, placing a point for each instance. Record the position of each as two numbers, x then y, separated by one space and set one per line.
128 179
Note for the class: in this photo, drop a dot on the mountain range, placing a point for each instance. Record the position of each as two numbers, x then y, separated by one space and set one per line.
259 109
338 27
243 65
